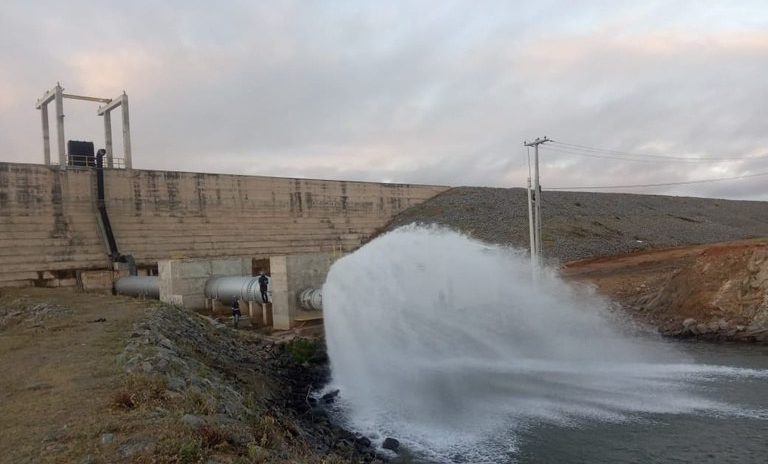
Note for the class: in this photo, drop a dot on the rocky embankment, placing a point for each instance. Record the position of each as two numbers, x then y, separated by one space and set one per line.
207 393
579 225
712 292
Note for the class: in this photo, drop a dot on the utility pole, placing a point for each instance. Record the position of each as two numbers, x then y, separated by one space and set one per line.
535 221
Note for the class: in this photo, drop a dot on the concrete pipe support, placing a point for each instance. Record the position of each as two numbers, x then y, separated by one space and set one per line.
226 289
311 299
144 286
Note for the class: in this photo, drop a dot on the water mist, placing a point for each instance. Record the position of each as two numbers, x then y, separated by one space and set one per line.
446 344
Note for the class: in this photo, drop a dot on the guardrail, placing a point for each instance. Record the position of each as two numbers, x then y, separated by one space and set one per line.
89 162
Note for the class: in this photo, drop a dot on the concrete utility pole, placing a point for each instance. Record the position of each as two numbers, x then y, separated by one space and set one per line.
535 221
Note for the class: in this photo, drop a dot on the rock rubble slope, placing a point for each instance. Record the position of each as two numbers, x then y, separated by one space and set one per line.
578 225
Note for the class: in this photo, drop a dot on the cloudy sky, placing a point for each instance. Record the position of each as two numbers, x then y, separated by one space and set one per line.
431 92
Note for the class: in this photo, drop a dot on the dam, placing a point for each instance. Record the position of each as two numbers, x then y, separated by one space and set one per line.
51 234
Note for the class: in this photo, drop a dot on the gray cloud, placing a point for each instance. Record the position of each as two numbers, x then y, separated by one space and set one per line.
431 92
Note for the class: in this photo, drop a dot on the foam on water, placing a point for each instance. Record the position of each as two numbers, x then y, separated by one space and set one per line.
448 345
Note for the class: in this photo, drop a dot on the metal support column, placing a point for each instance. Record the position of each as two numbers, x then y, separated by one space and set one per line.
46 135
59 92
108 138
126 133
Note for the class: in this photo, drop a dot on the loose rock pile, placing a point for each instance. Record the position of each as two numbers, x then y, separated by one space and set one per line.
579 225
29 314
238 388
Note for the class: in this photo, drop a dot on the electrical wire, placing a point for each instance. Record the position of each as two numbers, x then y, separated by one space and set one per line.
623 154
663 184
568 151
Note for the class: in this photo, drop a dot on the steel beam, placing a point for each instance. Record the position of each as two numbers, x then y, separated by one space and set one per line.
86 98
47 98
111 105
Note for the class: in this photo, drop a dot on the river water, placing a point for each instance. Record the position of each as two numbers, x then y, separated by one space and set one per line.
463 354
669 438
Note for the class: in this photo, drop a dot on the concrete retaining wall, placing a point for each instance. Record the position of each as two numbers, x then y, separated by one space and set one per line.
290 276
48 217
182 281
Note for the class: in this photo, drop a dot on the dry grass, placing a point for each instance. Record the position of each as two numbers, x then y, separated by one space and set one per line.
268 433
140 391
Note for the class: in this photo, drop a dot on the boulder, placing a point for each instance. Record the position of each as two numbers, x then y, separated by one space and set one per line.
391 444
330 397
363 442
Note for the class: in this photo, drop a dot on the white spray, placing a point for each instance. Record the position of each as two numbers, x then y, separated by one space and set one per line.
444 342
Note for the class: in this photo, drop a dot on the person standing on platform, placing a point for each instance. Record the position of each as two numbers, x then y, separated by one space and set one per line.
264 286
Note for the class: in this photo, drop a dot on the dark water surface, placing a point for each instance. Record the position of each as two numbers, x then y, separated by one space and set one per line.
666 438
662 438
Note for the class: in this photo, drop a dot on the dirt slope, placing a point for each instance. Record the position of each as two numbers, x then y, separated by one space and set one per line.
717 291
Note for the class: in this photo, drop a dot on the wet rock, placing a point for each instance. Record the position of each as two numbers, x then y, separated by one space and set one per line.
363 442
391 444
701 329
689 322
330 397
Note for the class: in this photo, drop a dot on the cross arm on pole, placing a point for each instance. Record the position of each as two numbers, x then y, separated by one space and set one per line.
538 141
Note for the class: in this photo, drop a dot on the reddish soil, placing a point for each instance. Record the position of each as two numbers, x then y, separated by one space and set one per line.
710 291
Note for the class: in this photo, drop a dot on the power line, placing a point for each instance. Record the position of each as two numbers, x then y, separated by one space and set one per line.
665 184
583 148
568 151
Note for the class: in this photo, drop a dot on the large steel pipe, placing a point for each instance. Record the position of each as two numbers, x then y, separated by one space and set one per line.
226 289
143 286
311 299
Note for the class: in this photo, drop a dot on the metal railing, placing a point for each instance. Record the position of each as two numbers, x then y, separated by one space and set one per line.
89 162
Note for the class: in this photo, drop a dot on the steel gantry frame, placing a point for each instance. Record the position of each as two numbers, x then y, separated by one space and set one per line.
57 95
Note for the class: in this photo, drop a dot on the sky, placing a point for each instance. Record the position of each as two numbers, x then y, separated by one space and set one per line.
436 92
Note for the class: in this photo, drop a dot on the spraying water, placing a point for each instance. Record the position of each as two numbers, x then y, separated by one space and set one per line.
447 344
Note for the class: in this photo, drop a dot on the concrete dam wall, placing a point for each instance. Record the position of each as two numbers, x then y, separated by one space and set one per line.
49 227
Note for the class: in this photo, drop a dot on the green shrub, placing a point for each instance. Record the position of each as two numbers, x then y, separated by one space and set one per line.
302 350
